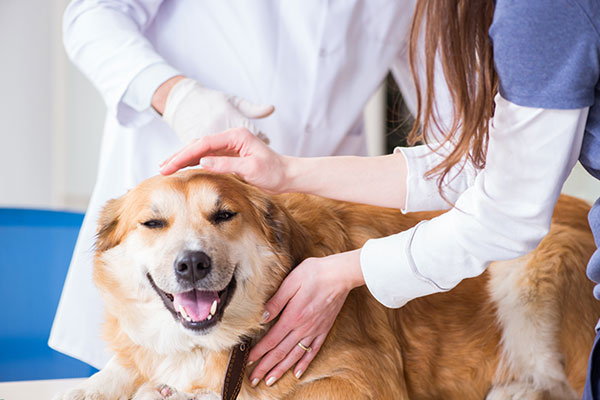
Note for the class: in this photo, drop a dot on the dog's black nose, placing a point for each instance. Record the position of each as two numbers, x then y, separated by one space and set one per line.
191 266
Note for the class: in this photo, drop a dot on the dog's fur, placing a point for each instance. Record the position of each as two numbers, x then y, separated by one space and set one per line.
522 330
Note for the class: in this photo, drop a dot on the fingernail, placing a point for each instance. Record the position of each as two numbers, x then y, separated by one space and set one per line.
255 382
207 162
270 381
299 373
165 165
265 316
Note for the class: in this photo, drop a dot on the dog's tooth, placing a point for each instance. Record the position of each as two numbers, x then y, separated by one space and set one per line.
209 317
183 313
213 308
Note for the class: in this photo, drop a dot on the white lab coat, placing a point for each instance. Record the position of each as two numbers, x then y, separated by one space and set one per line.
317 62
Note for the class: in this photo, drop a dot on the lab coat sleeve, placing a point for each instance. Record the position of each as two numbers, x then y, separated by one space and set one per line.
104 38
503 215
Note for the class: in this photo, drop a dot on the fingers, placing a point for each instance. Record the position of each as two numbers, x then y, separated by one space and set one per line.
288 288
295 354
308 356
281 329
166 162
236 165
229 141
250 109
279 347
279 360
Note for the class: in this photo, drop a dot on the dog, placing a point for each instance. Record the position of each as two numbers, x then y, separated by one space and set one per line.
521 330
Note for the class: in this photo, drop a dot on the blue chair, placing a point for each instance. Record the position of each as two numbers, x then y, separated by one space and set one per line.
35 251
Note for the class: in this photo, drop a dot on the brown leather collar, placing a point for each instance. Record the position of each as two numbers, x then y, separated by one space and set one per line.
235 370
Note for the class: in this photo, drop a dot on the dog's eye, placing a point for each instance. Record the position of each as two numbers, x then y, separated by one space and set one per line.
222 216
155 223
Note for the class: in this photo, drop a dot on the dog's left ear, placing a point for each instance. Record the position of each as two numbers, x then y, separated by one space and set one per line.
109 234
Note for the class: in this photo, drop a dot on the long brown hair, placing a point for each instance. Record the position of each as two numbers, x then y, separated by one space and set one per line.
456 32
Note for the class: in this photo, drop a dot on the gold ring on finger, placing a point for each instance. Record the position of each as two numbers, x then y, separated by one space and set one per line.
305 348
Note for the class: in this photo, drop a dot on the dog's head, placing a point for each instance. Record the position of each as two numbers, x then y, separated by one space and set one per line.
190 259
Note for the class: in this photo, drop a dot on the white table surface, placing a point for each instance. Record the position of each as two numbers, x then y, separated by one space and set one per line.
35 390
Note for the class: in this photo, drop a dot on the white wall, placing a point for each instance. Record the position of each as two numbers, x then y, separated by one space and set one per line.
583 185
51 116
26 104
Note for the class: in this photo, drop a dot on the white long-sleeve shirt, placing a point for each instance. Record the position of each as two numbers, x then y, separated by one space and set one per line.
500 213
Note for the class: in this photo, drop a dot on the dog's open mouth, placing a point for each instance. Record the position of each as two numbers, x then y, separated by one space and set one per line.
196 310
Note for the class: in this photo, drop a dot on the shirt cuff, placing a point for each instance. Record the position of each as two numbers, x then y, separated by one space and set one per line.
380 266
138 96
422 193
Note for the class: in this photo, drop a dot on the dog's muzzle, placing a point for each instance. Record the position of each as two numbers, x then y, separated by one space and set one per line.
195 309
192 266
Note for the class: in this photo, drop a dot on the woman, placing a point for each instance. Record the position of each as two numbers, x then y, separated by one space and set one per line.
524 80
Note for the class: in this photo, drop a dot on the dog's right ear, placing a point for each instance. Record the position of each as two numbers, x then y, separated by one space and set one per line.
108 234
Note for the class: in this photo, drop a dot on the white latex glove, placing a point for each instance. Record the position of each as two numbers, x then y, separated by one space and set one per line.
194 111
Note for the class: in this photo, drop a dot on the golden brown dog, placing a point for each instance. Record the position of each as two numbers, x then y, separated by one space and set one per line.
522 330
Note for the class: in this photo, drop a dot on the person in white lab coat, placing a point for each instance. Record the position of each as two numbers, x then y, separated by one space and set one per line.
317 63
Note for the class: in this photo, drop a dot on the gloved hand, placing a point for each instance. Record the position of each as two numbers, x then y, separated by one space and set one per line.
194 111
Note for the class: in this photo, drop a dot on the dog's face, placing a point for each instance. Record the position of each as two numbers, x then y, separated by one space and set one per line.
190 259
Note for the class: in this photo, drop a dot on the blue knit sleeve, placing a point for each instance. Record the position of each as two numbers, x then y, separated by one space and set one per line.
546 53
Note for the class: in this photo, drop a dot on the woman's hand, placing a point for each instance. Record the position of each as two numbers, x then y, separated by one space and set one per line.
312 294
237 151
345 178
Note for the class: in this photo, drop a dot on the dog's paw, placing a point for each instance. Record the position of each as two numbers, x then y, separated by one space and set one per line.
151 392
166 392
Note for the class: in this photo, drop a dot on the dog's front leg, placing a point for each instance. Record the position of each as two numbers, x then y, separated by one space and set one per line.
112 382
150 391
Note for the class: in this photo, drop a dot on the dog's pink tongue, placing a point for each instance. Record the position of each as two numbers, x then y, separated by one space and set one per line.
197 303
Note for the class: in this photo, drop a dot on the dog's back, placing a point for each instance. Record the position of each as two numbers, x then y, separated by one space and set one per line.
520 330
